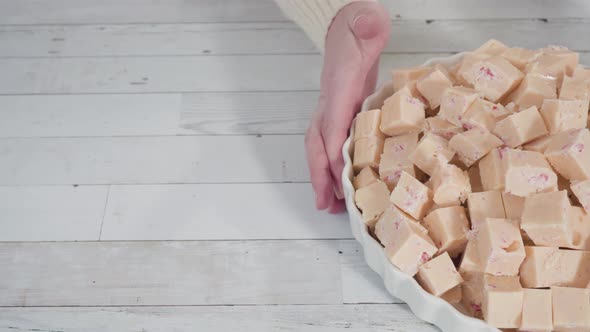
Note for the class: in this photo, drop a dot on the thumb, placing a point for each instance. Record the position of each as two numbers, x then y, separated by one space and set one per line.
355 40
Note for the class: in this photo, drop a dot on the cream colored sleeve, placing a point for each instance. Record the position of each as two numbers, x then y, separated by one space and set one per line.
313 16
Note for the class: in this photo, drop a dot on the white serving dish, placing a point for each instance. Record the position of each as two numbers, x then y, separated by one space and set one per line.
424 305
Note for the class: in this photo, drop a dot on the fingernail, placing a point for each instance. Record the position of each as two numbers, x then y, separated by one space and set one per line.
363 26
338 192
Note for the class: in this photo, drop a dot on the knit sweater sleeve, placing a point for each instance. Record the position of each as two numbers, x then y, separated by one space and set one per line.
313 16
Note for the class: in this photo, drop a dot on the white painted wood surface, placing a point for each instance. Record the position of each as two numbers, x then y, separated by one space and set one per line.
182 273
165 11
152 172
274 38
308 318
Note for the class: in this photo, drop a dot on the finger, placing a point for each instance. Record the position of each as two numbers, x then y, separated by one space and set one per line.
319 168
337 207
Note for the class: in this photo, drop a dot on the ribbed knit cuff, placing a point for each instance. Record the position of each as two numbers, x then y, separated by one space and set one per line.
313 16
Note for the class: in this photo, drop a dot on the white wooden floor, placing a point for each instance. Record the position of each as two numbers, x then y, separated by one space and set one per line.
152 172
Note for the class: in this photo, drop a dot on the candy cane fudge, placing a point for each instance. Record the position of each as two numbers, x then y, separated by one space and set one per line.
439 275
411 196
432 152
481 189
372 201
520 128
448 227
394 159
402 113
569 154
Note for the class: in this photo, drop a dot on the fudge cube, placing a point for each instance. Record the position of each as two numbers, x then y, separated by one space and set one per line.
438 126
521 127
472 289
518 57
483 205
571 309
484 114
411 196
402 113
389 224
470 261
570 58
561 115
537 311
538 145
545 218
548 266
513 206
448 229
432 86
500 247
533 90
502 301
367 153
453 296
450 185
454 103
475 179
439 275
432 152
464 72
548 65
473 145
410 247
574 88
367 124
491 170
581 72
527 172
391 168
494 77
582 191
394 159
579 226
492 47
366 177
403 76
512 108
569 154
400 146
372 201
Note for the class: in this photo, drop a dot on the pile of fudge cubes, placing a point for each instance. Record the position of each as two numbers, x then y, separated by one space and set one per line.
475 178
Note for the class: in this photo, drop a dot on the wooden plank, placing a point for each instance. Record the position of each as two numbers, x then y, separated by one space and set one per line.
355 271
158 159
156 114
276 38
173 73
179 73
134 11
170 273
307 318
154 39
57 213
162 11
218 212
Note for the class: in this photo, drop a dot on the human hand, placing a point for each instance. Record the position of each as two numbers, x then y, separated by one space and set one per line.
355 39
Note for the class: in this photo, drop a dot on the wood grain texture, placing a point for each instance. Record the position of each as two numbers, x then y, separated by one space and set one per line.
408 36
218 212
164 11
174 74
327 318
177 273
217 113
57 213
164 159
